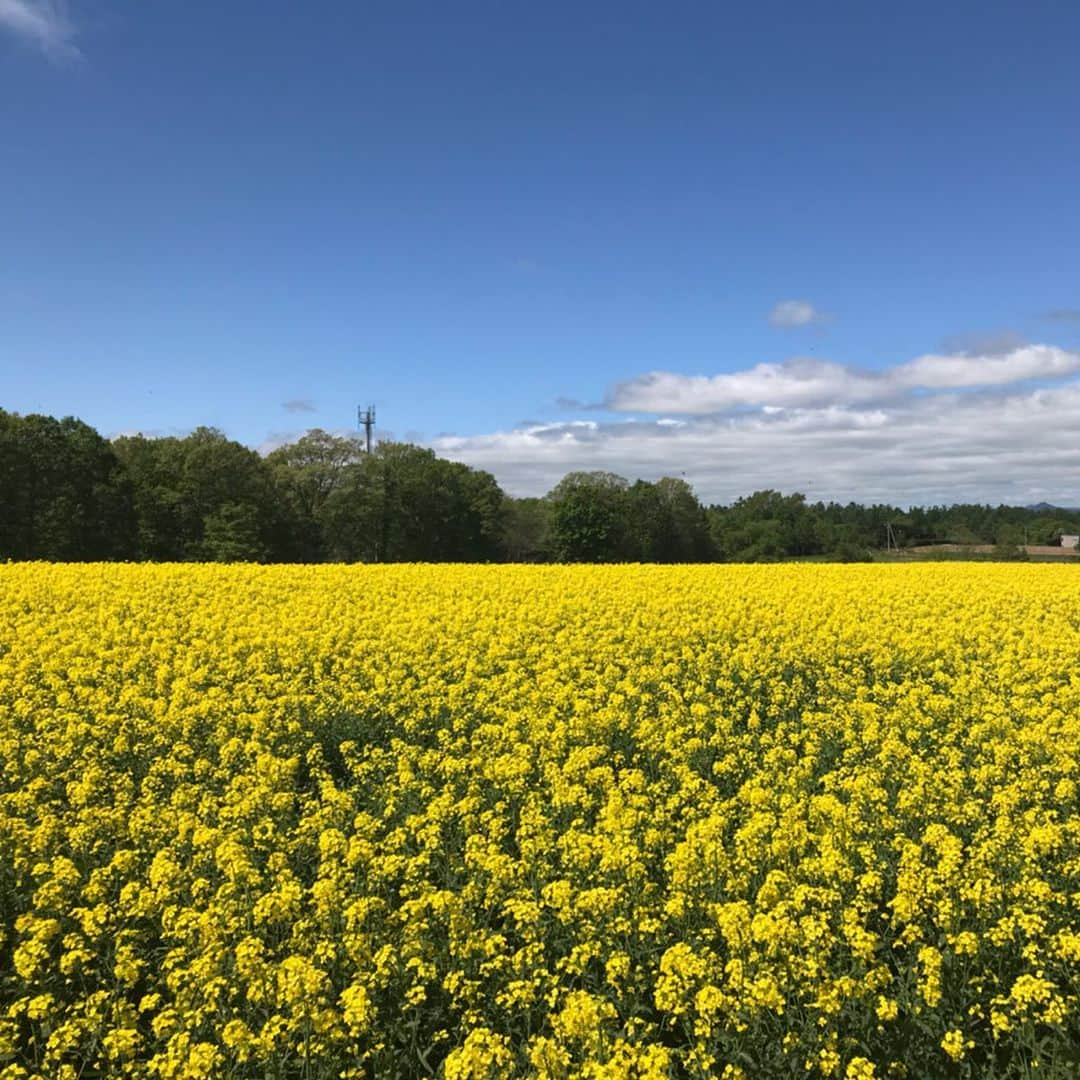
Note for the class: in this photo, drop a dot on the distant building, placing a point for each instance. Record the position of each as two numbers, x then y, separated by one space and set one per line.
1069 541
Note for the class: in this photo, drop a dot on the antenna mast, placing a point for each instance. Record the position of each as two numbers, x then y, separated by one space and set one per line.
366 420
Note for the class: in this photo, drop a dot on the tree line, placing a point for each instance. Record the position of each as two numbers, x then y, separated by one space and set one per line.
68 494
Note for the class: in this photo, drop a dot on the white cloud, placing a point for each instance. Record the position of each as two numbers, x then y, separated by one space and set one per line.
792 313
904 436
804 383
793 384
1019 365
43 22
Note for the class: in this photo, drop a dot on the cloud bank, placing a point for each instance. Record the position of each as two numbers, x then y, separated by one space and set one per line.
803 383
938 428
42 22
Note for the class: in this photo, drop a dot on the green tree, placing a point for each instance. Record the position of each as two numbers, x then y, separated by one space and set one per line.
402 503
1048 530
166 522
64 493
307 473
767 526
688 538
526 528
1009 542
648 524
314 466
233 533
206 498
590 517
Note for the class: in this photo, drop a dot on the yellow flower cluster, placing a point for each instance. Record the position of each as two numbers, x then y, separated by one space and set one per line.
541 821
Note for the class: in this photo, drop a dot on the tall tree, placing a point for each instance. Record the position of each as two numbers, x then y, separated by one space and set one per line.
63 491
307 473
205 498
590 518
687 539
402 503
526 529
767 526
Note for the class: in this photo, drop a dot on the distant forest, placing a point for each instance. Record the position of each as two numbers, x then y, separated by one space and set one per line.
68 494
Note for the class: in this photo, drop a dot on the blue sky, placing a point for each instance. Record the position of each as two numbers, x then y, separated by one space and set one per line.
700 239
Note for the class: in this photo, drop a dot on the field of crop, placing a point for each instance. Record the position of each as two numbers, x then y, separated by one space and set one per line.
556 821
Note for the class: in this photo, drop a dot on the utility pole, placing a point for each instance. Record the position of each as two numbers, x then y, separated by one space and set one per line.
366 420
890 538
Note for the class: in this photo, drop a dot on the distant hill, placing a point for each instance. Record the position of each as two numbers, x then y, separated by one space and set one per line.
1050 508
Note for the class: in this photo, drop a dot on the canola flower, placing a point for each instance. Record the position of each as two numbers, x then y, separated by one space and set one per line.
556 822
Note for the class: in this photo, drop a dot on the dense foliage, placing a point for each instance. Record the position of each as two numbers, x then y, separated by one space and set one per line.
478 822
68 494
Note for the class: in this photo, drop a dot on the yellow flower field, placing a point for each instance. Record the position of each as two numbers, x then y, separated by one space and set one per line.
539 821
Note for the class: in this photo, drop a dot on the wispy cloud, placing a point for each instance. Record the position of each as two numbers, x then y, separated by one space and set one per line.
1066 315
934 429
572 404
789 314
994 343
298 405
276 439
45 23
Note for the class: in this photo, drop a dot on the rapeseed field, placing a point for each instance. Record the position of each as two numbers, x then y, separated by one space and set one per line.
559 822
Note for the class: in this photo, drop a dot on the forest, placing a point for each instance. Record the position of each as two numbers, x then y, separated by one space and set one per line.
69 494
